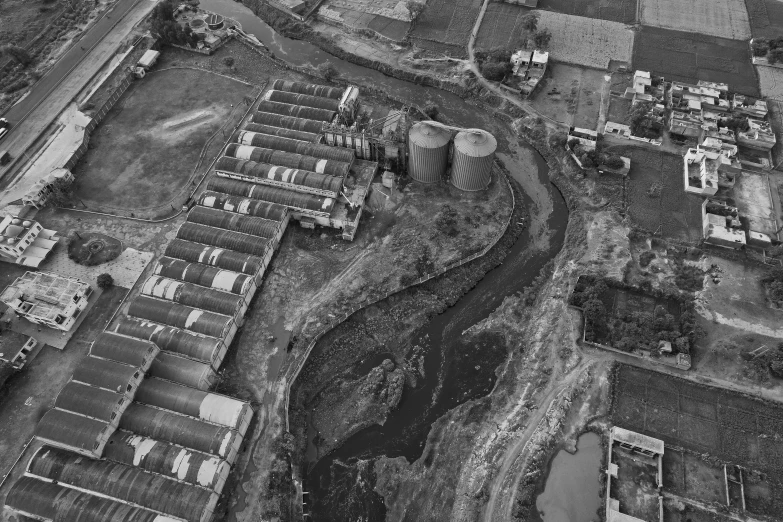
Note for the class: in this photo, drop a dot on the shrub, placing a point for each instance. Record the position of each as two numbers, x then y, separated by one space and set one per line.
573 143
431 110
495 71
228 61
105 281
775 55
646 257
17 53
613 161
760 46
542 38
328 71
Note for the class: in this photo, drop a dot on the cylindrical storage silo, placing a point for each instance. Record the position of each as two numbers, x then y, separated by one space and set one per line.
474 153
287 122
285 133
309 88
304 99
428 152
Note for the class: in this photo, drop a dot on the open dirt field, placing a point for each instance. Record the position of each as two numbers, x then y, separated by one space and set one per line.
570 94
766 17
735 428
738 299
587 41
689 57
447 21
153 138
623 11
724 18
771 82
674 213
635 486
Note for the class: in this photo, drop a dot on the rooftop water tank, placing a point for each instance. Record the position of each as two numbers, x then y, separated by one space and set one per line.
429 152
474 152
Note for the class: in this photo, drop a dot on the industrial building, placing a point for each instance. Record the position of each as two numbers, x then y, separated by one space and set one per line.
24 241
48 299
136 434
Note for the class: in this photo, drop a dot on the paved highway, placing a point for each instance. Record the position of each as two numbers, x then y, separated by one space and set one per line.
52 93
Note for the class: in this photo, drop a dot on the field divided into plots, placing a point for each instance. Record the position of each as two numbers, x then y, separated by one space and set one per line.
724 18
447 22
735 428
766 17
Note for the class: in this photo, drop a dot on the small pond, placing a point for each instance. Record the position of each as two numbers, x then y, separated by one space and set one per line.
573 487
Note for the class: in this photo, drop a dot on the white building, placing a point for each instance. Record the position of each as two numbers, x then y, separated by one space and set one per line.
48 299
25 242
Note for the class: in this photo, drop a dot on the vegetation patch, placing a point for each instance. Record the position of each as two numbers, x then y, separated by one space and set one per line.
92 248
766 17
447 21
623 11
628 319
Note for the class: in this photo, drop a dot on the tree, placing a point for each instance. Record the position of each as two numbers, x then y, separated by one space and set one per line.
495 71
61 193
541 38
105 281
431 110
640 121
738 124
530 22
17 53
614 162
414 9
760 46
228 61
775 55
328 71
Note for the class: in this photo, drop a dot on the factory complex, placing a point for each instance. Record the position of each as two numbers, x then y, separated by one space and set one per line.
136 433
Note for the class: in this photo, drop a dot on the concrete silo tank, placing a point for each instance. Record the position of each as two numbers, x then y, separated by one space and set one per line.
428 152
474 153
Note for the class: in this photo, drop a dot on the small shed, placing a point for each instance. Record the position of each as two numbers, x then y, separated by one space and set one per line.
148 59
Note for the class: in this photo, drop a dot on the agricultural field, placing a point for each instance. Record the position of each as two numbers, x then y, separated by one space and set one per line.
724 18
690 57
623 11
720 424
152 139
766 17
655 197
776 120
587 41
447 21
382 17
501 27
570 94
771 82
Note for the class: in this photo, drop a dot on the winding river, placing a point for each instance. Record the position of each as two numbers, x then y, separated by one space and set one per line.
334 477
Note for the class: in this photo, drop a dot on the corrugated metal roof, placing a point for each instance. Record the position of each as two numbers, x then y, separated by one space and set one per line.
123 349
288 159
316 150
255 226
298 111
190 344
45 500
195 374
124 482
192 295
242 205
90 401
266 173
289 198
428 136
173 314
70 429
288 122
306 100
223 238
109 375
204 275
179 429
209 407
285 133
168 460
312 89
475 144
214 256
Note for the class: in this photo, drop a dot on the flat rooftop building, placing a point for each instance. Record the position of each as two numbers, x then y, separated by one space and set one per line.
25 242
48 299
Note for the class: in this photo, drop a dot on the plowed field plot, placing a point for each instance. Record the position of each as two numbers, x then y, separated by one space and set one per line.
725 18
623 11
746 431
447 21
655 196
771 82
690 57
501 26
766 17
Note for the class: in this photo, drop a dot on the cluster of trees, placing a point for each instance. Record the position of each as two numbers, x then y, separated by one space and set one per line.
736 123
163 25
495 64
772 49
641 121
774 285
328 71
19 54
592 158
634 330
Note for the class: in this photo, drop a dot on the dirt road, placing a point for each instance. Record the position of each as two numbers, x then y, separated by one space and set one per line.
50 95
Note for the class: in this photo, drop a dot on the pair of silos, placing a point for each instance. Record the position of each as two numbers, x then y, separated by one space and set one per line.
474 153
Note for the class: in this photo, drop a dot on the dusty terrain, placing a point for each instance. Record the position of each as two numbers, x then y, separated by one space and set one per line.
571 94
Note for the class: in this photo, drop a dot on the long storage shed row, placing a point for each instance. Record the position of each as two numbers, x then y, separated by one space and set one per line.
283 177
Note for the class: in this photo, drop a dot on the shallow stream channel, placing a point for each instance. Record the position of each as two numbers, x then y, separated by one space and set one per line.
450 380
